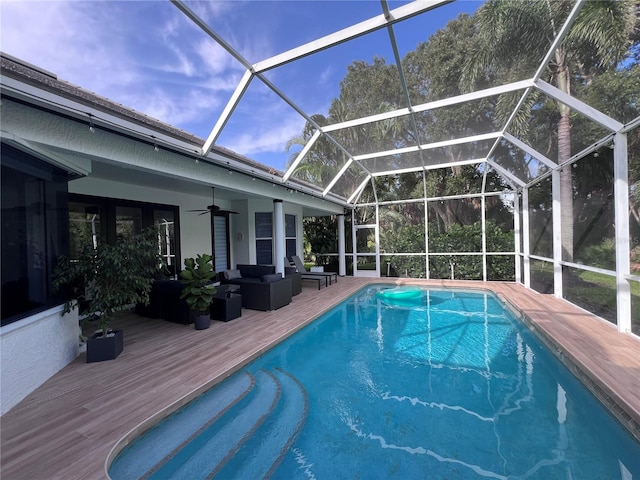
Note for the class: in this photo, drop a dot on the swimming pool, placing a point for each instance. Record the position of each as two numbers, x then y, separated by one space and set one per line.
445 384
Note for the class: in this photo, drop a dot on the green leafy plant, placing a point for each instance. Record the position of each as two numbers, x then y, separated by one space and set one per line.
197 276
109 277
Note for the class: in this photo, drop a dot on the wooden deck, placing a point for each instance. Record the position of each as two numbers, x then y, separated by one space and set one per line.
66 428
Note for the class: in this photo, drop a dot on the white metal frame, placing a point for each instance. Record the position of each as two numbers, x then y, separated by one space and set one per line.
387 20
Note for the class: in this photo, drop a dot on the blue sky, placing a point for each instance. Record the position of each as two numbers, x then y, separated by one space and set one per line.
150 57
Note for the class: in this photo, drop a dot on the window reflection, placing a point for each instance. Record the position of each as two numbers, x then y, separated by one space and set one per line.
165 225
128 222
34 232
84 227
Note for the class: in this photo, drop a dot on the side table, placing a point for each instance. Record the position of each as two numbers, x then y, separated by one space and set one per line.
226 306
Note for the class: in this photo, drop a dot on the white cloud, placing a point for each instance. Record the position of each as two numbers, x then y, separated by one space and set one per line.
148 56
326 74
215 58
267 136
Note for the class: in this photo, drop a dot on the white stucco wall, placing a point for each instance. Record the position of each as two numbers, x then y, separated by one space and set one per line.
34 349
195 229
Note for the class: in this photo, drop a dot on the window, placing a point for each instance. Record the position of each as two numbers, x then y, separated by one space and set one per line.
85 226
128 222
34 232
264 238
221 241
98 219
165 222
290 235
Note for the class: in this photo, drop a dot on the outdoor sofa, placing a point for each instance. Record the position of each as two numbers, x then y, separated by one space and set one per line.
260 286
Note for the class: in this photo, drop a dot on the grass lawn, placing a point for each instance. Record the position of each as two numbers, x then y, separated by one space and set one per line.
597 293
592 291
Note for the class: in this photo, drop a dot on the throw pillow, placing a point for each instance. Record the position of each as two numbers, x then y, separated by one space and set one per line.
231 274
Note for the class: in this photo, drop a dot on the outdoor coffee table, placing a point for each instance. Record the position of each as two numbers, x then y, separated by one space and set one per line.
226 307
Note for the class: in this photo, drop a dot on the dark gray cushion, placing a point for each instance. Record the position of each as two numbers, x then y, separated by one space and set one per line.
231 274
256 271
271 277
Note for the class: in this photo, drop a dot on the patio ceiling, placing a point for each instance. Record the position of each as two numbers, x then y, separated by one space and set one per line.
427 152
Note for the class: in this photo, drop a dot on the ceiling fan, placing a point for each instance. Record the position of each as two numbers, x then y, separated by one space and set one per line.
213 208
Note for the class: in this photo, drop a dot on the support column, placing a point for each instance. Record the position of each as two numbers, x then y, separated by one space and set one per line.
483 222
342 265
525 238
278 234
354 257
516 236
556 213
623 240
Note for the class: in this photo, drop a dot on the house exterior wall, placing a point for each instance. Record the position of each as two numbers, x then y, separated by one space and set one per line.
195 229
34 349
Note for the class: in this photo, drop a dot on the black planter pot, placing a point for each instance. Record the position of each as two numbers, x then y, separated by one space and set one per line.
201 321
100 348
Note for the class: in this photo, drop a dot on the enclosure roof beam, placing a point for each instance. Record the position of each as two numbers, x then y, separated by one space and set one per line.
337 177
349 33
445 102
531 151
473 161
429 146
358 190
209 31
579 106
227 112
506 173
301 155
559 38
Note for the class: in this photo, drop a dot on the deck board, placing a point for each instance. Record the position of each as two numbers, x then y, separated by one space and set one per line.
67 427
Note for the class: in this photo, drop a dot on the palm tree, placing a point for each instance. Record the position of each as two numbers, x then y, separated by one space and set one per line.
515 34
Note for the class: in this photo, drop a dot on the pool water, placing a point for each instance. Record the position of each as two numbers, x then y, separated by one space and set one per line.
444 385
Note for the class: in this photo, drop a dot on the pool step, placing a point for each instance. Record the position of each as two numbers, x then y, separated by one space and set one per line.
204 454
261 454
157 444
240 429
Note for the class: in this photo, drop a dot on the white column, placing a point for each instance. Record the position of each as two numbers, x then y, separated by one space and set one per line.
516 236
278 234
556 212
525 237
623 254
353 240
483 223
342 265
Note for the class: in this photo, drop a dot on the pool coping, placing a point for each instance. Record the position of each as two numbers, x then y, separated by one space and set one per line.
589 379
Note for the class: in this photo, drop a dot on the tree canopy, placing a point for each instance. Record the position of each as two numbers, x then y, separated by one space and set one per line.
503 42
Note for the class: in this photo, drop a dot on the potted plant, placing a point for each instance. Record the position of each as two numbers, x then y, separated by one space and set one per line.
197 278
107 279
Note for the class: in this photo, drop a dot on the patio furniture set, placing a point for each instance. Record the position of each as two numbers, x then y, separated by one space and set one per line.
256 287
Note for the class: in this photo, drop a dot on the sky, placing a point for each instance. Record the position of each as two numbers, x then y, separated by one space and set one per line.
148 56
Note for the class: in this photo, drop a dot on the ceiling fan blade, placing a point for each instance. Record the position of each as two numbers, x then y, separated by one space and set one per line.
213 208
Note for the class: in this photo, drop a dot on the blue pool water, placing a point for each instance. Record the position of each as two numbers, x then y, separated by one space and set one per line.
444 385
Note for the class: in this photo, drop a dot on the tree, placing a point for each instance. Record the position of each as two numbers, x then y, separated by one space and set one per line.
433 70
109 277
515 34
